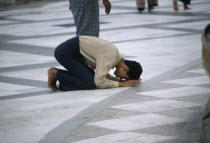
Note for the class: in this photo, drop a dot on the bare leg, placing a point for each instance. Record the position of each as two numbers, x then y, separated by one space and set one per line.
52 78
176 8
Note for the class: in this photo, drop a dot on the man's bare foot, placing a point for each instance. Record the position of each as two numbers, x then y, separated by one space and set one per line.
176 8
52 78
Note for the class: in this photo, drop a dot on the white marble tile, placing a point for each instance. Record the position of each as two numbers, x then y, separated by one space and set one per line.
34 74
9 59
153 119
140 19
108 35
144 118
51 42
56 103
119 136
136 122
6 92
120 125
140 107
148 138
45 28
142 33
199 71
13 87
20 89
93 99
7 22
45 16
93 140
172 103
177 92
200 80
199 25
127 137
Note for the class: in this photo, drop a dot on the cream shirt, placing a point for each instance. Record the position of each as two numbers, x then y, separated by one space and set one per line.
103 56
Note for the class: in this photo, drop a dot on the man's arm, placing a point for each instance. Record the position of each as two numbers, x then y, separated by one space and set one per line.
103 67
107 6
109 76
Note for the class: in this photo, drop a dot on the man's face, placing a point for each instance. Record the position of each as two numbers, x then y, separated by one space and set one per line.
122 73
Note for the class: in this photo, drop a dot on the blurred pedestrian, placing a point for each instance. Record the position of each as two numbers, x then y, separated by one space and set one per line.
185 2
141 4
86 15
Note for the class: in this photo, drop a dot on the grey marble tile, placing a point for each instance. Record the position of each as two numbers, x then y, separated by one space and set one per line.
92 132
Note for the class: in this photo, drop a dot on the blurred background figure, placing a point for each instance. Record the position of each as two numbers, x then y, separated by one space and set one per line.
86 15
141 4
185 2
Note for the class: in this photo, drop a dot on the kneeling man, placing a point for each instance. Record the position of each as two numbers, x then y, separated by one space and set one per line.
80 56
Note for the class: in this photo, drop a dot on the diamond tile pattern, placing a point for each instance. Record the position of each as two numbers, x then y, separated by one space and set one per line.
152 113
136 122
200 80
161 41
177 92
127 137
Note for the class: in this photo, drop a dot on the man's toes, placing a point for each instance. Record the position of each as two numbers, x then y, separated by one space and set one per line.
54 88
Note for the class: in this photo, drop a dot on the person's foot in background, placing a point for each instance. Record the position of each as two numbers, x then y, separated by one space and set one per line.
186 7
175 5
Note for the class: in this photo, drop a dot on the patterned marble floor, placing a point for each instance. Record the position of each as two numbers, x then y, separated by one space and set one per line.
165 108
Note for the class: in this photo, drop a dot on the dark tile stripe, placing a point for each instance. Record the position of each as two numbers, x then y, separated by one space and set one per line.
28 49
22 95
24 82
28 67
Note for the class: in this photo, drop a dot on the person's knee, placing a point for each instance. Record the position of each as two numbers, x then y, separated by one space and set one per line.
57 53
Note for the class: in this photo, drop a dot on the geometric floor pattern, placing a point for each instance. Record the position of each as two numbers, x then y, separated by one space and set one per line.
167 111
148 115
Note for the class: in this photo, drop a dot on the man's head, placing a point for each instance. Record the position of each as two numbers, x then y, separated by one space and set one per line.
129 70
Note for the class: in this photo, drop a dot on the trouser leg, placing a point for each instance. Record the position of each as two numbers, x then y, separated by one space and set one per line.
155 2
86 16
78 75
185 2
68 81
140 4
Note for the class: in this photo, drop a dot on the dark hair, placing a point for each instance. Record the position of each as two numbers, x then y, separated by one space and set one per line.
135 69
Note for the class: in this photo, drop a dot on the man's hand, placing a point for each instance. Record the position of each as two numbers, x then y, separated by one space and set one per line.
107 6
130 83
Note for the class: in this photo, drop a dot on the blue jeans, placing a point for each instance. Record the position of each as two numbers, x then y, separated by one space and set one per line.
77 76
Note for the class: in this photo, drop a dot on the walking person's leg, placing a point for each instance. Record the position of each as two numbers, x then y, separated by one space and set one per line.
175 5
86 16
78 75
185 4
155 2
151 4
140 5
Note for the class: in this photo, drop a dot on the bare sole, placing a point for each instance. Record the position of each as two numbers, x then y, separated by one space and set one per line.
52 78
